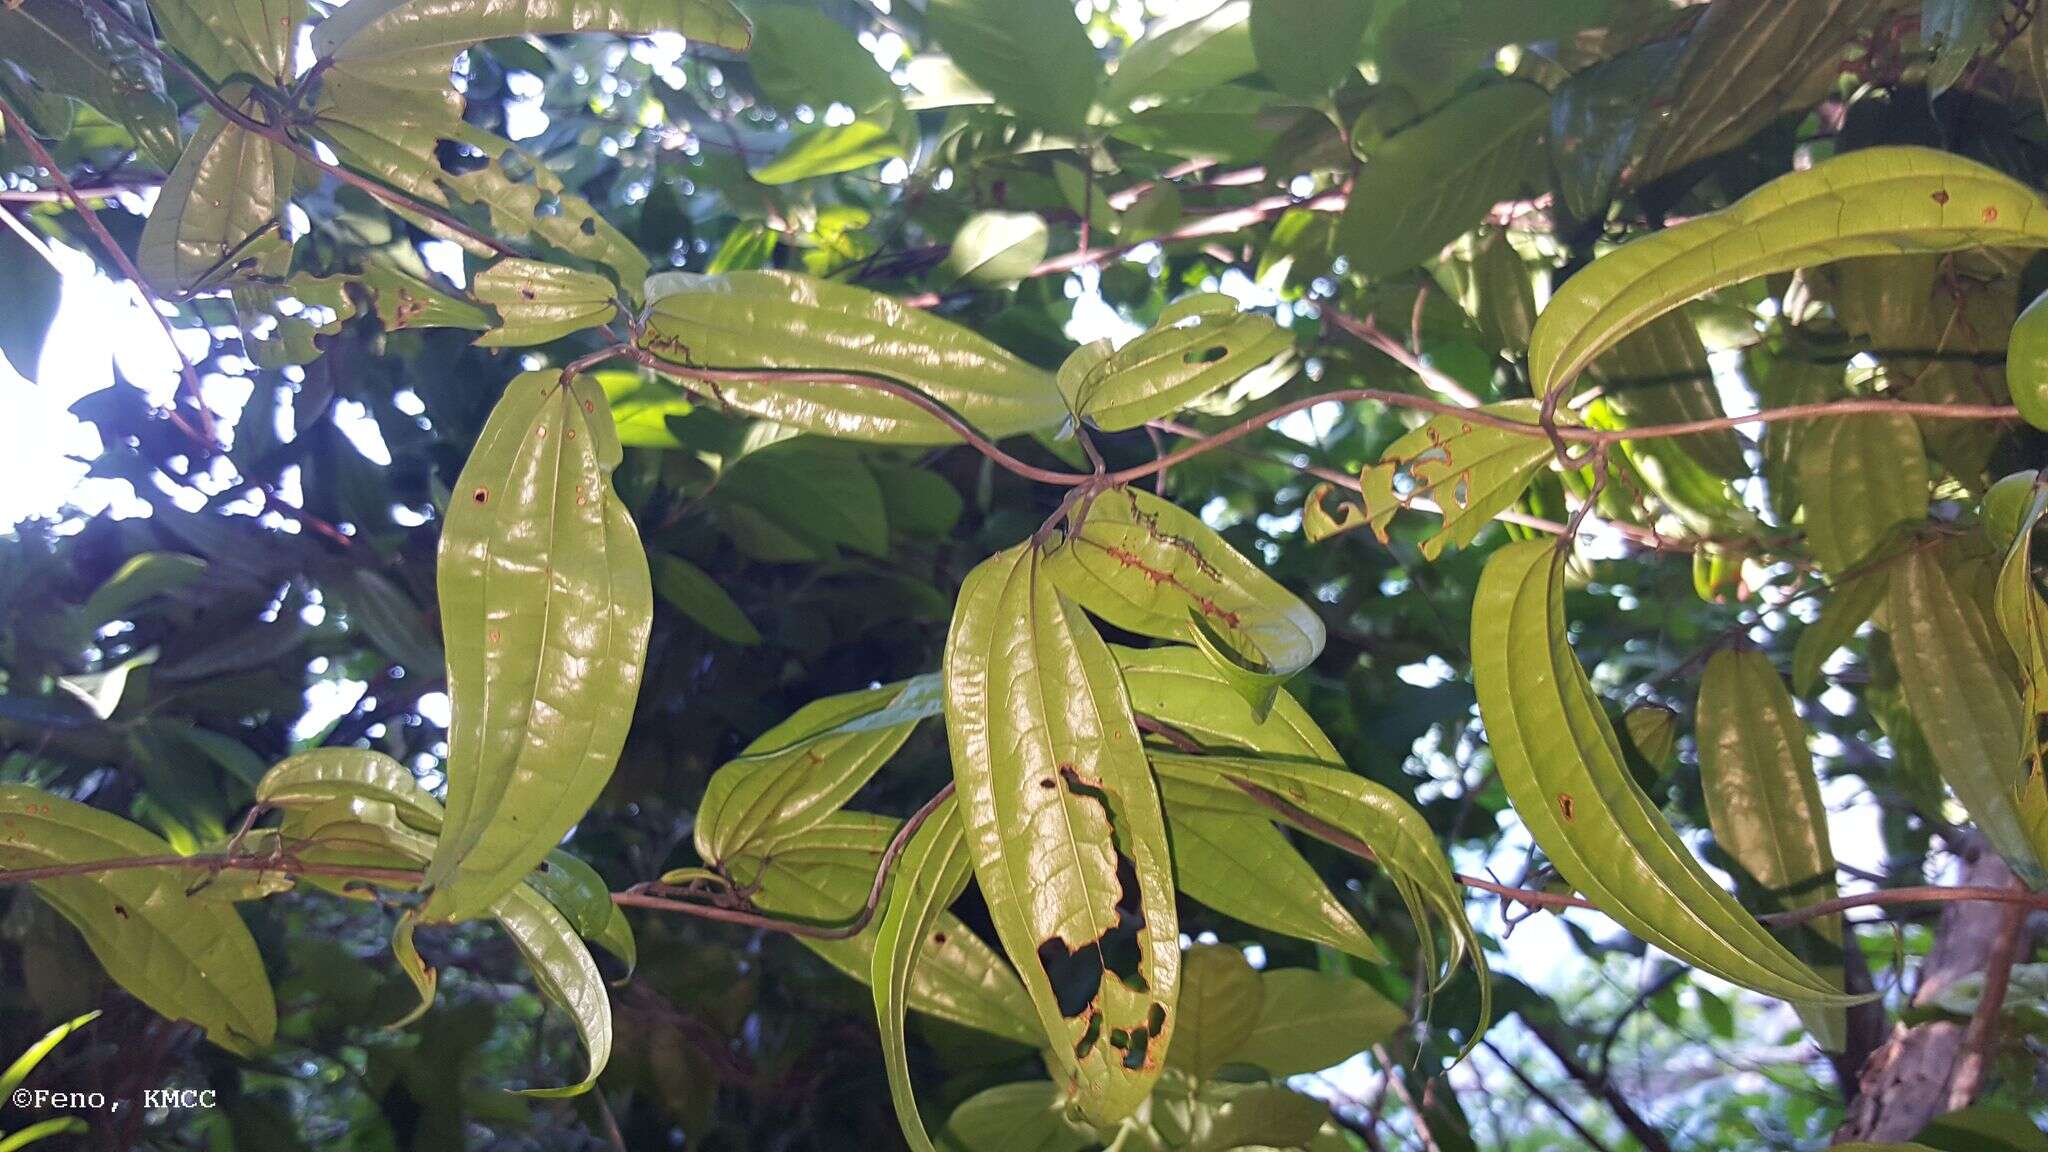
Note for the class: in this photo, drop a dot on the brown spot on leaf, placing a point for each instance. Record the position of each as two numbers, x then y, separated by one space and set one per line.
1940 196
1990 213
481 495
1566 806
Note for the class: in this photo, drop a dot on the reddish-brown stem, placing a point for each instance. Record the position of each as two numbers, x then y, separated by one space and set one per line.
1369 332
188 376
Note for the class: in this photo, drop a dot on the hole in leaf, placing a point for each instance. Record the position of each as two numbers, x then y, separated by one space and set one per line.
1119 1039
1075 975
457 158
517 165
1134 1056
589 226
1088 1037
1155 1020
1208 355
481 495
548 207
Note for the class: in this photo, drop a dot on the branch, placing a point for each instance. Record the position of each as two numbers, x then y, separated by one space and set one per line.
1645 1132
1549 1101
1980 1039
1368 331
188 377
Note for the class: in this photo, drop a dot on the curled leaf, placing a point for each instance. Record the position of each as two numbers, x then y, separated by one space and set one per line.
1199 344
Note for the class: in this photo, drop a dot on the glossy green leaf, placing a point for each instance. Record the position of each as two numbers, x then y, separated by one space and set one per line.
425 979
1307 47
69 51
2022 616
404 302
801 56
1029 1116
2026 362
224 39
42 1130
1467 472
1764 805
1057 796
1495 289
1874 201
545 611
775 324
1200 343
323 775
539 302
220 211
1193 47
1220 996
823 875
1950 668
932 873
142 577
1432 183
186 957
1659 374
1563 769
1310 1020
34 1054
1852 601
1860 477
1229 856
1146 565
828 149
566 974
993 249
689 590
1032 55
807 767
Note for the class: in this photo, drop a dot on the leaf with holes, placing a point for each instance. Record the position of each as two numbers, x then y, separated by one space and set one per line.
1562 765
1467 471
807 767
1200 343
220 212
539 302
186 957
1860 477
545 610
1229 856
1764 805
224 39
1870 202
766 329
1147 566
1434 182
1950 667
823 875
1064 826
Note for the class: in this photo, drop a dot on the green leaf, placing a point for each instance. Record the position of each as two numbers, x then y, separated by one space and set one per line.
828 149
225 39
220 211
771 325
642 405
1764 805
566 974
1860 477
1563 769
1031 1116
1032 55
1307 47
1984 1128
425 979
1871 202
689 590
280 321
1432 183
33 290
42 1130
994 249
1150 567
1466 471
404 301
1199 344
1230 857
185 957
2026 362
1852 601
821 491
2022 616
392 621
823 875
1220 996
70 51
140 578
807 767
33 1055
803 57
1955 31
1950 668
931 874
1309 1021
411 44
1494 288
1659 374
545 611
1057 796
538 302
324 775
1194 47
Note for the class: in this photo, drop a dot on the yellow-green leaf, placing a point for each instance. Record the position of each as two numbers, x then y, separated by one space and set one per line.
220 211
186 957
538 302
1058 802
254 39
1199 344
545 611
320 775
1860 476
2023 618
2026 362
1562 765
1309 1021
828 149
1871 202
993 249
1032 55
1764 805
566 974
1220 997
932 873
1850 602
